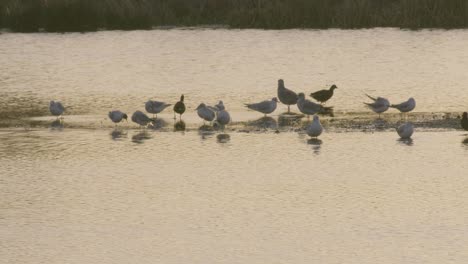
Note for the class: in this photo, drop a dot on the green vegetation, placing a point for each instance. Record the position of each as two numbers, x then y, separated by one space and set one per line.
90 15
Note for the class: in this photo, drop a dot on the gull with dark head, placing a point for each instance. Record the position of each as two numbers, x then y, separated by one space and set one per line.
56 108
323 96
379 105
116 116
155 107
315 128
308 107
285 95
265 107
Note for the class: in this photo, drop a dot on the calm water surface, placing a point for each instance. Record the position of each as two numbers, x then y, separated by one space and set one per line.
86 196
94 72
90 194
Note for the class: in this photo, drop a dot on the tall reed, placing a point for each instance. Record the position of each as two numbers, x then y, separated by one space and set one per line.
89 15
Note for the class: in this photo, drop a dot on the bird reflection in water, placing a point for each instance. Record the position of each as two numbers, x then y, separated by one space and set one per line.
406 141
57 124
223 138
206 132
179 126
465 142
316 144
141 137
266 122
157 124
380 124
117 134
290 119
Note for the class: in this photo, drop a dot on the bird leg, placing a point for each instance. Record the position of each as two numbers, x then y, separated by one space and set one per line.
288 108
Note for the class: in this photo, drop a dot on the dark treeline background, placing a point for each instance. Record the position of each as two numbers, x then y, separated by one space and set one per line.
89 15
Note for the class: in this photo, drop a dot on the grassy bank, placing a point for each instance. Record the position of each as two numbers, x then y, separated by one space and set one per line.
90 15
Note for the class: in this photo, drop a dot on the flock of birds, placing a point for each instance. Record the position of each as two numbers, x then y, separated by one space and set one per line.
286 96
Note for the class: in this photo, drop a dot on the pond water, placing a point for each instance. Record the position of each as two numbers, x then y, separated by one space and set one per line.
261 191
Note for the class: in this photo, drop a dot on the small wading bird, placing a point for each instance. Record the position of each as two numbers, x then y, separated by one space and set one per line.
285 95
464 121
315 128
405 130
141 118
310 108
56 108
406 106
155 107
222 115
205 113
265 107
179 107
323 96
379 105
116 116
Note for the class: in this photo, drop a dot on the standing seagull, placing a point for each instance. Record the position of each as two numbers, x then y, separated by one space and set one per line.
179 107
265 107
116 116
155 107
405 107
405 131
308 107
141 118
464 121
379 105
56 108
285 95
223 116
205 113
324 95
315 129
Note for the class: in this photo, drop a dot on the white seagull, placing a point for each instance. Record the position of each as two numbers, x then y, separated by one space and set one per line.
56 108
379 105
315 128
265 107
155 107
223 116
205 112
405 131
405 107
116 116
308 107
141 118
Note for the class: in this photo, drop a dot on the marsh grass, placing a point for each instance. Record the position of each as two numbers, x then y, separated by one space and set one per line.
90 15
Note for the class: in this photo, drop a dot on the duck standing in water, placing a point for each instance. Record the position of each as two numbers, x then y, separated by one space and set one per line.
179 107
285 95
464 121
323 96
